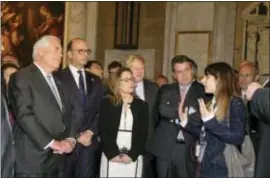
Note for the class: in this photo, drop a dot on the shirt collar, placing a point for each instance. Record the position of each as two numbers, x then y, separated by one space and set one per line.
74 70
140 84
42 71
187 86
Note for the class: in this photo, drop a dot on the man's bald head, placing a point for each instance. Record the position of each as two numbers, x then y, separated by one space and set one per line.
78 52
248 73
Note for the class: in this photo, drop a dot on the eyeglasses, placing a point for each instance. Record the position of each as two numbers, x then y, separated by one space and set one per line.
127 80
83 51
245 75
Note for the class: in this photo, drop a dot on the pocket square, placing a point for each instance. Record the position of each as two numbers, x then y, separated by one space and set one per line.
191 110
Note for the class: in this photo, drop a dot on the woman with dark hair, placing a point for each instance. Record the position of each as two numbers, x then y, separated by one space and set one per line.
123 129
7 70
224 120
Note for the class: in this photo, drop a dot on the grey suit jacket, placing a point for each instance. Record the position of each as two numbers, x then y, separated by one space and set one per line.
39 119
7 146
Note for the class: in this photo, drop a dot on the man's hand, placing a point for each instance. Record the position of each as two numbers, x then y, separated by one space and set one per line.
67 146
251 89
116 159
126 159
56 146
85 138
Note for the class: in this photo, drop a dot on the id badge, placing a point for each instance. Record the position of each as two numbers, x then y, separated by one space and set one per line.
202 151
197 150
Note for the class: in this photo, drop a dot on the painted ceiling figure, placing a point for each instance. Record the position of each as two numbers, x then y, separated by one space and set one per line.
10 29
50 24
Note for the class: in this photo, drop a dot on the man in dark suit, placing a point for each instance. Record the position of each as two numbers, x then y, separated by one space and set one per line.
87 89
7 143
172 144
260 108
248 73
147 91
43 112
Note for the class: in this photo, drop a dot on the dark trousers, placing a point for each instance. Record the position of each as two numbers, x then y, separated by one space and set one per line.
54 173
81 163
175 167
149 166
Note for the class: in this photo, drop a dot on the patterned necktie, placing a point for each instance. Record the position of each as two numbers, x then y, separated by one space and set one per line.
54 90
82 87
180 136
183 92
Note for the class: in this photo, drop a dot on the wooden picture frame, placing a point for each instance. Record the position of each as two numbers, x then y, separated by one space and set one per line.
197 45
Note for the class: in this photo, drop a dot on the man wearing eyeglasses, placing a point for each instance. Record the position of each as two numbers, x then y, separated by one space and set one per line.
88 89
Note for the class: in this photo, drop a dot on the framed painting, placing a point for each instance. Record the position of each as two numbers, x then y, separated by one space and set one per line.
196 45
22 23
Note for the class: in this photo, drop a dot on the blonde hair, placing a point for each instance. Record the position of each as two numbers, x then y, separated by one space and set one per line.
131 58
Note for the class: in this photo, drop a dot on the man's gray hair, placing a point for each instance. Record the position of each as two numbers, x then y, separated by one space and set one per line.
44 41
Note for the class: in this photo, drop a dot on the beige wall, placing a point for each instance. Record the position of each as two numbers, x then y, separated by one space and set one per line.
152 26
151 30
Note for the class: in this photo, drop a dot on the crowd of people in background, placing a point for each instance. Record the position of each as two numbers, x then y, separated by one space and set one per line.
73 122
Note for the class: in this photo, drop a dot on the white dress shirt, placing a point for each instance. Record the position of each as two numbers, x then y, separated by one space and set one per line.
140 90
76 75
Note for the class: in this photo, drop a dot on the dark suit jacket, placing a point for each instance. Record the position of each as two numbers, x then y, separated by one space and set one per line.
151 93
87 115
260 108
219 133
166 133
38 119
7 146
110 116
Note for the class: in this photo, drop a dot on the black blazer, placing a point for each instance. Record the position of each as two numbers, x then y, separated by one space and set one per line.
164 139
260 108
150 93
86 116
109 122
39 119
166 132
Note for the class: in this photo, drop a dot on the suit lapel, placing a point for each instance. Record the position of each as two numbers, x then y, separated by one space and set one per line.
89 83
145 89
190 93
177 91
42 85
61 93
73 84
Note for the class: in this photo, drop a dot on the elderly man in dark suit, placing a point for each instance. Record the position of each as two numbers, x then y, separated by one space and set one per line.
172 144
7 143
87 89
43 112
260 107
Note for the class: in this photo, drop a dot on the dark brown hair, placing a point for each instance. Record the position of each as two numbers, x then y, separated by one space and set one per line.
227 85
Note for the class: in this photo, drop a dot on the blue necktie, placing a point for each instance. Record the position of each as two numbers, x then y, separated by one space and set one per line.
82 87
